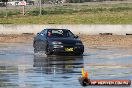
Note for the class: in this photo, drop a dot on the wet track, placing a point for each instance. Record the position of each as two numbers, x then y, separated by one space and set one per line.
21 68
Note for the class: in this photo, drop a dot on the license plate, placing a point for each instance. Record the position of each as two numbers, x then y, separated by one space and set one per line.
69 49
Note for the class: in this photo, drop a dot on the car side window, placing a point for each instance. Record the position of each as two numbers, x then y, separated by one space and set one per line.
43 32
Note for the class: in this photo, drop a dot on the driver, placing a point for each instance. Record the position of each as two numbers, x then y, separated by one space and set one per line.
49 33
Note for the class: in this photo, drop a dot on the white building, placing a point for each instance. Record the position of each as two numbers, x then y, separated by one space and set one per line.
16 2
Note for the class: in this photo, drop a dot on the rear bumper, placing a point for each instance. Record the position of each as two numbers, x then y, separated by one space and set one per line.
74 49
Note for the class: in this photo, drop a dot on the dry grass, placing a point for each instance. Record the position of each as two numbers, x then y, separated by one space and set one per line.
15 38
88 40
97 13
107 40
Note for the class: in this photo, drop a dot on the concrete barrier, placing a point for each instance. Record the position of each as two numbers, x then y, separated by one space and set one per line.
77 29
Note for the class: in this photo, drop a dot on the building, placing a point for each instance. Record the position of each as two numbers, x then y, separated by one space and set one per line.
19 2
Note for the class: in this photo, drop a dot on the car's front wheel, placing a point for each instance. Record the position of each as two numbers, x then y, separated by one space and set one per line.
79 54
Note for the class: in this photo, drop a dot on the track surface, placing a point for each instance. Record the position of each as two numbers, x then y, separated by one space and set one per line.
21 68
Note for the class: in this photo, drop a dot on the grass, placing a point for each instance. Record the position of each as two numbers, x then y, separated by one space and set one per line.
120 13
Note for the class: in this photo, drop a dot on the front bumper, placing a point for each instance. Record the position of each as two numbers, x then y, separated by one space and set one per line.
76 49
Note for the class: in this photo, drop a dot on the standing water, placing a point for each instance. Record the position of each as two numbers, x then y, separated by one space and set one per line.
21 68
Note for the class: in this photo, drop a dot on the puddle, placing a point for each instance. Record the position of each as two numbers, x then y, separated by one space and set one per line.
21 68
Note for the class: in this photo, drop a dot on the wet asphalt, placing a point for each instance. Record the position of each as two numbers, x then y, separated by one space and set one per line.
21 68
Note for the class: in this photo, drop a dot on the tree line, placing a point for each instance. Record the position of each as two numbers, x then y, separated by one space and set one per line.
71 1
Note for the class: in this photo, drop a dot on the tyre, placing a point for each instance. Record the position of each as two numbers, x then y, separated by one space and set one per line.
79 54
47 51
36 47
36 51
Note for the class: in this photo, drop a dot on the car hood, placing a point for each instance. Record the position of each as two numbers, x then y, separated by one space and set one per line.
66 40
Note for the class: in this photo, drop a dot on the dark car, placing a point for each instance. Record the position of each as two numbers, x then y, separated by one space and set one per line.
58 41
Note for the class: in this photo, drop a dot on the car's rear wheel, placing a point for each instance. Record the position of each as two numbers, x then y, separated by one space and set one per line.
36 46
35 50
47 51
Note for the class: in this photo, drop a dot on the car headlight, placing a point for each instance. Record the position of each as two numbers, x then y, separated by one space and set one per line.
56 42
78 43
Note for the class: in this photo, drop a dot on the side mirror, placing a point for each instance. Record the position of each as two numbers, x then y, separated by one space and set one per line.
76 36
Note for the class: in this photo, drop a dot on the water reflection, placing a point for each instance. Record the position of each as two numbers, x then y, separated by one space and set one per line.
59 64
8 76
43 72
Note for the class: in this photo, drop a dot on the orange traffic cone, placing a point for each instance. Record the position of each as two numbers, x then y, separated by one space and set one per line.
85 81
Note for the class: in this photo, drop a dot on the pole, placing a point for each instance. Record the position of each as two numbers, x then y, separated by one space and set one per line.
6 9
23 10
40 12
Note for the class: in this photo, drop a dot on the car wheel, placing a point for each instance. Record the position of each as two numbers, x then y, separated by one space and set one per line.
36 51
78 54
47 51
36 47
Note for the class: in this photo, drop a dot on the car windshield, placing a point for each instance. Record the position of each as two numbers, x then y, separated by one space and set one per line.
59 33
